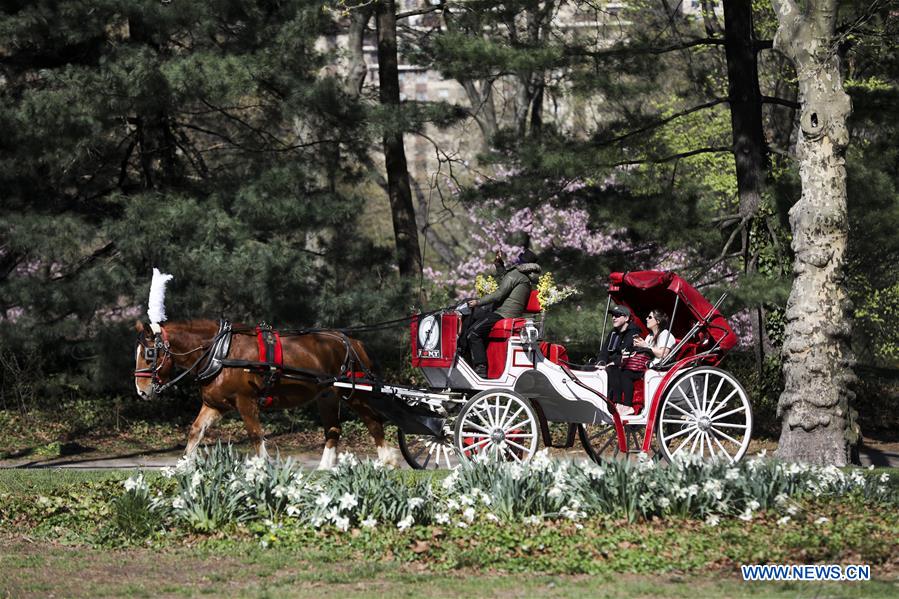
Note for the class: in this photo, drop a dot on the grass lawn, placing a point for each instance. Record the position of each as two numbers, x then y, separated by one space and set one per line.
55 539
40 569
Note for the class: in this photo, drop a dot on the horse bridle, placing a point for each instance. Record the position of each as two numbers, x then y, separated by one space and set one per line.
151 354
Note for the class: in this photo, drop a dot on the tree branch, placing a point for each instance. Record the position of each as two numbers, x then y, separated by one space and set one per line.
641 50
661 122
781 101
672 157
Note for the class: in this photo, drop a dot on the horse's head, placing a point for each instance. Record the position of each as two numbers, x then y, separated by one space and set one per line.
153 360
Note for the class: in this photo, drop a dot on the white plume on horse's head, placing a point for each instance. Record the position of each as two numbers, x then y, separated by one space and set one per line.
156 303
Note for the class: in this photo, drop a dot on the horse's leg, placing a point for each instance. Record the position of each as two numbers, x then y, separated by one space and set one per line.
375 425
329 409
248 406
206 418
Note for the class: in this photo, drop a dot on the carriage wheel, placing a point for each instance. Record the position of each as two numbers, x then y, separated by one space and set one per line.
428 452
705 413
500 424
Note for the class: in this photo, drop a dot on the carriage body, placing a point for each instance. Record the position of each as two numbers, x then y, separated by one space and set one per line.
685 404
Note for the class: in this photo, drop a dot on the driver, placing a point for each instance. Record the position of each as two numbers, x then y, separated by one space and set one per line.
511 297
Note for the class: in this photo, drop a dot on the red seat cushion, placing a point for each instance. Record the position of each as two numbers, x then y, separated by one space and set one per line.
554 352
533 306
638 396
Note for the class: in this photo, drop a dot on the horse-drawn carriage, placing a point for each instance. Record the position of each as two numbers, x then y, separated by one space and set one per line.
686 404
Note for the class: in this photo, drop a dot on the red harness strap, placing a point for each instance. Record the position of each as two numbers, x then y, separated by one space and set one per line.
269 343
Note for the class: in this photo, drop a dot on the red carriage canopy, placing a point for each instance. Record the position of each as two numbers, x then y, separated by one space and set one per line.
642 291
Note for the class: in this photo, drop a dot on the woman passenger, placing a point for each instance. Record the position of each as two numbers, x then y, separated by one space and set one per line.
659 342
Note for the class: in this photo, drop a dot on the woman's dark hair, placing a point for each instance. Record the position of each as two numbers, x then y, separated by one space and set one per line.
662 319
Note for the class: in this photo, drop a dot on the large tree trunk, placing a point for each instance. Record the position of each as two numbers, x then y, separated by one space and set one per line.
404 230
817 358
749 147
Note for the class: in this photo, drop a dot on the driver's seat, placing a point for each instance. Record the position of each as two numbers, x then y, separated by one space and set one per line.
498 339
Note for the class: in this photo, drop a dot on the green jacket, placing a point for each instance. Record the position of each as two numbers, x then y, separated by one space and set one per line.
514 290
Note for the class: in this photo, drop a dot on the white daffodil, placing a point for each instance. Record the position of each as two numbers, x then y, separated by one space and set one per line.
369 522
348 501
405 523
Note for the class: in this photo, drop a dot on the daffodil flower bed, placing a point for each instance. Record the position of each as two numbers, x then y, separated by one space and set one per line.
221 487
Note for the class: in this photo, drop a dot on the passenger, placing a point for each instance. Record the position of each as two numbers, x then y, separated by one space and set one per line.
618 346
511 296
659 342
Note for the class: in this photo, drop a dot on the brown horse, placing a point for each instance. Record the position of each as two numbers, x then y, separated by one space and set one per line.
184 345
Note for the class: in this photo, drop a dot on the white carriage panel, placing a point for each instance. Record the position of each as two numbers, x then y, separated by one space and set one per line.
651 381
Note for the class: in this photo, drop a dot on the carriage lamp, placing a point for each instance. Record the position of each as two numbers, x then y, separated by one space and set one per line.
529 334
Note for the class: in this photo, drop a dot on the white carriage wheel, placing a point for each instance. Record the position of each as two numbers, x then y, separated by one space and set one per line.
428 452
497 423
705 412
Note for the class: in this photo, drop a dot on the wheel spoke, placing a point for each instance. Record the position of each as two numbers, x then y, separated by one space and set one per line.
681 421
512 427
723 403
506 420
734 411
705 391
502 419
477 426
724 425
475 445
522 447
681 410
685 441
721 447
477 435
430 455
514 455
695 394
708 439
693 444
519 435
685 397
717 390
726 436
682 431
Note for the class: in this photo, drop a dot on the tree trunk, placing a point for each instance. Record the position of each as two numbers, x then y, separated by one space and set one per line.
749 147
356 67
404 230
817 358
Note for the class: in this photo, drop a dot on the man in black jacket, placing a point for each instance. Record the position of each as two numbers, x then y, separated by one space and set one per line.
618 345
510 299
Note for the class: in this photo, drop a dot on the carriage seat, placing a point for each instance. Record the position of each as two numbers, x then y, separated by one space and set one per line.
502 331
